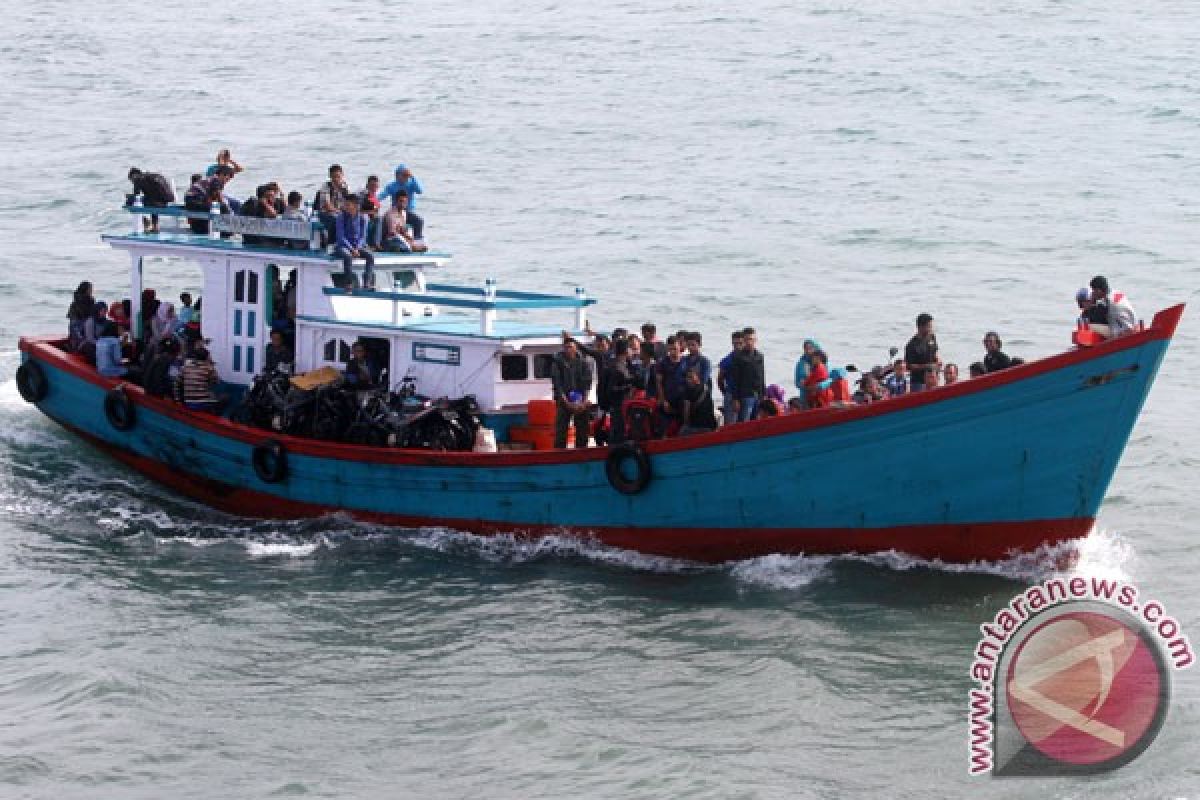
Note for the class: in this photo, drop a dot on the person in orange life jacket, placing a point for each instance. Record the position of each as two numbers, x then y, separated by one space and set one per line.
669 388
350 229
816 386
1121 318
921 353
994 359
699 416
571 379
748 375
839 387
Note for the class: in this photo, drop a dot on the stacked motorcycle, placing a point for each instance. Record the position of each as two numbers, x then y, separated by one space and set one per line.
378 416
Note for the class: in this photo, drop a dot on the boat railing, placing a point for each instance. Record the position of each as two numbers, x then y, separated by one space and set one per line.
487 300
292 230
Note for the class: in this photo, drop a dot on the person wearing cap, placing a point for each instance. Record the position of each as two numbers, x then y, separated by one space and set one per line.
406 182
1122 319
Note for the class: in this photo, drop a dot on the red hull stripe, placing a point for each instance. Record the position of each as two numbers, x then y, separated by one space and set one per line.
46 349
958 543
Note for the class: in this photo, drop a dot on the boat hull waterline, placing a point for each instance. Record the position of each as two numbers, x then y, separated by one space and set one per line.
978 471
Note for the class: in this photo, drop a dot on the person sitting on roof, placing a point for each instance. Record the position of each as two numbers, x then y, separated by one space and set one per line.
950 374
330 198
396 238
156 192
406 182
995 359
368 201
977 369
224 159
202 194
350 242
1120 317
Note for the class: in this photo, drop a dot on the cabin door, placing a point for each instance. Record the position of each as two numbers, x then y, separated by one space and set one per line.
247 314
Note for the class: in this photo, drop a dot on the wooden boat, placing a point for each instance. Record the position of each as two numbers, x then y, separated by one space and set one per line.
975 471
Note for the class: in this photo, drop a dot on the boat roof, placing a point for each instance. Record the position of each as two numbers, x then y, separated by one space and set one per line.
453 325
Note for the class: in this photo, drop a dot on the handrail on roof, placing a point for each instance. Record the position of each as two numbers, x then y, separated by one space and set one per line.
530 300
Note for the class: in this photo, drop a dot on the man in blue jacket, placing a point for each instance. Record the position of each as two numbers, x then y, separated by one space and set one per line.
406 182
351 242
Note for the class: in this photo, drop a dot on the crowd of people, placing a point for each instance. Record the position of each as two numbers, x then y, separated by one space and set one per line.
356 224
652 388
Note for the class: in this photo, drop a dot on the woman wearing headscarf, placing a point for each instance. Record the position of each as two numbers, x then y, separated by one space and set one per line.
163 325
804 365
80 311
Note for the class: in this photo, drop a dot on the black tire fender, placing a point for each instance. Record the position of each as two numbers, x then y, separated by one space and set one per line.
31 382
617 457
270 461
119 409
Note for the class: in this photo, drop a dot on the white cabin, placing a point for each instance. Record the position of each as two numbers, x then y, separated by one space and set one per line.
411 325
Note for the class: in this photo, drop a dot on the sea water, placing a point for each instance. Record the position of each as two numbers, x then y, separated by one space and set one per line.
815 169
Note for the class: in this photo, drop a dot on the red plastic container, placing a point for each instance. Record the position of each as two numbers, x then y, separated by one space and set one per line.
541 413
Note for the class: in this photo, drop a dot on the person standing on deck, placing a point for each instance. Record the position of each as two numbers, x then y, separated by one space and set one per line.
728 390
406 182
571 378
921 354
748 375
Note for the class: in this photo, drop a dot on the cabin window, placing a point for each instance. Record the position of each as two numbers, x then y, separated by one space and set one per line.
237 358
404 279
239 286
514 368
542 364
252 294
337 351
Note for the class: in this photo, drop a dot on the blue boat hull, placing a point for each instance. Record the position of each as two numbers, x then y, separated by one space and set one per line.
975 471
